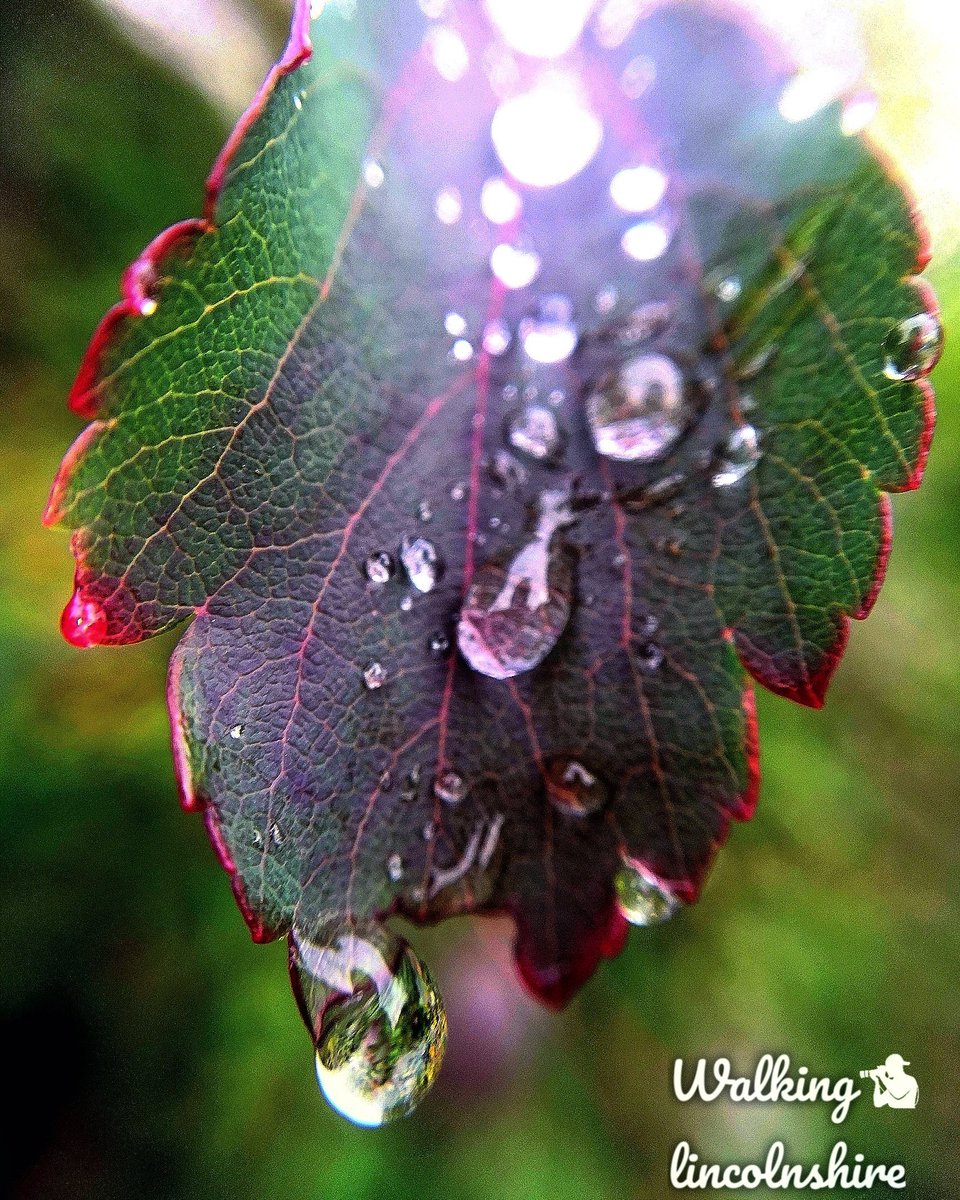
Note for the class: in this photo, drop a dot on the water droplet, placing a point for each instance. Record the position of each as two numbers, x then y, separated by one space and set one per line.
508 472
638 189
386 781
449 787
648 624
395 868
495 522
729 289
557 397
646 241
148 306
455 324
448 53
649 656
406 604
439 643
573 789
84 622
858 112
606 301
644 324
913 348
540 28
547 135
428 831
499 203
374 676
380 567
638 77
638 414
810 91
534 431
373 173
236 732
550 337
740 455
458 492
448 206
496 339
515 266
377 1020
421 562
643 901
462 351
298 101
513 616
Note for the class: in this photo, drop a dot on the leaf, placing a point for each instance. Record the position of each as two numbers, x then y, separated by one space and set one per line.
315 374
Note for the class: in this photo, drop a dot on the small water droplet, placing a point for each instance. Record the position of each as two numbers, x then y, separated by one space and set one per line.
546 136
513 616
650 656
496 338
373 174
448 53
729 289
638 77
458 492
374 676
455 324
395 868
638 189
739 456
606 301
508 472
646 241
386 781
406 604
534 431
499 202
448 206
515 266
495 522
461 351
449 787
424 511
439 643
638 414
380 567
551 336
84 622
377 1021
236 732
428 832
573 789
148 306
277 836
422 563
913 348
643 901
298 101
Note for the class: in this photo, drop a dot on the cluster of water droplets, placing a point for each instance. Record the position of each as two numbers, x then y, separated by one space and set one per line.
376 1017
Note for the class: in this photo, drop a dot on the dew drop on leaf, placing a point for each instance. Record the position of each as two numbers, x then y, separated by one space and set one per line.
236 732
638 189
499 202
84 622
728 290
646 241
551 336
395 868
513 616
534 432
449 787
496 339
642 900
739 456
637 414
421 562
380 567
515 266
439 643
650 656
573 789
377 1020
448 206
374 676
913 348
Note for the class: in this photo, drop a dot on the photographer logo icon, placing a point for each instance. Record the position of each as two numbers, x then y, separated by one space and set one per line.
892 1086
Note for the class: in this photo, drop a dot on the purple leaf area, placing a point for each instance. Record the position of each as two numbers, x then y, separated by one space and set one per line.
498 413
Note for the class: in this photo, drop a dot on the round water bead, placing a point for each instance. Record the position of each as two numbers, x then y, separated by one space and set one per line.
740 455
913 348
643 901
573 789
534 431
638 413
422 562
377 1020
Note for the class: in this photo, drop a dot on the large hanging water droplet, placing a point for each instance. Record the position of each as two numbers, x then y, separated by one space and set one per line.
513 616
573 789
637 414
380 567
377 1020
913 348
84 622
740 455
551 336
422 563
643 901
534 431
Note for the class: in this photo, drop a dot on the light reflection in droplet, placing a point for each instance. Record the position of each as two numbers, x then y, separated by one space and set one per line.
540 28
810 91
514 266
499 202
448 53
546 136
858 112
448 206
638 189
373 173
646 241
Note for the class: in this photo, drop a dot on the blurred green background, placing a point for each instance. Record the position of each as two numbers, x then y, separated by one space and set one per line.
155 1051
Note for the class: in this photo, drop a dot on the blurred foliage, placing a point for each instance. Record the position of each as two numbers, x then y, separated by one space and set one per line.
158 1053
